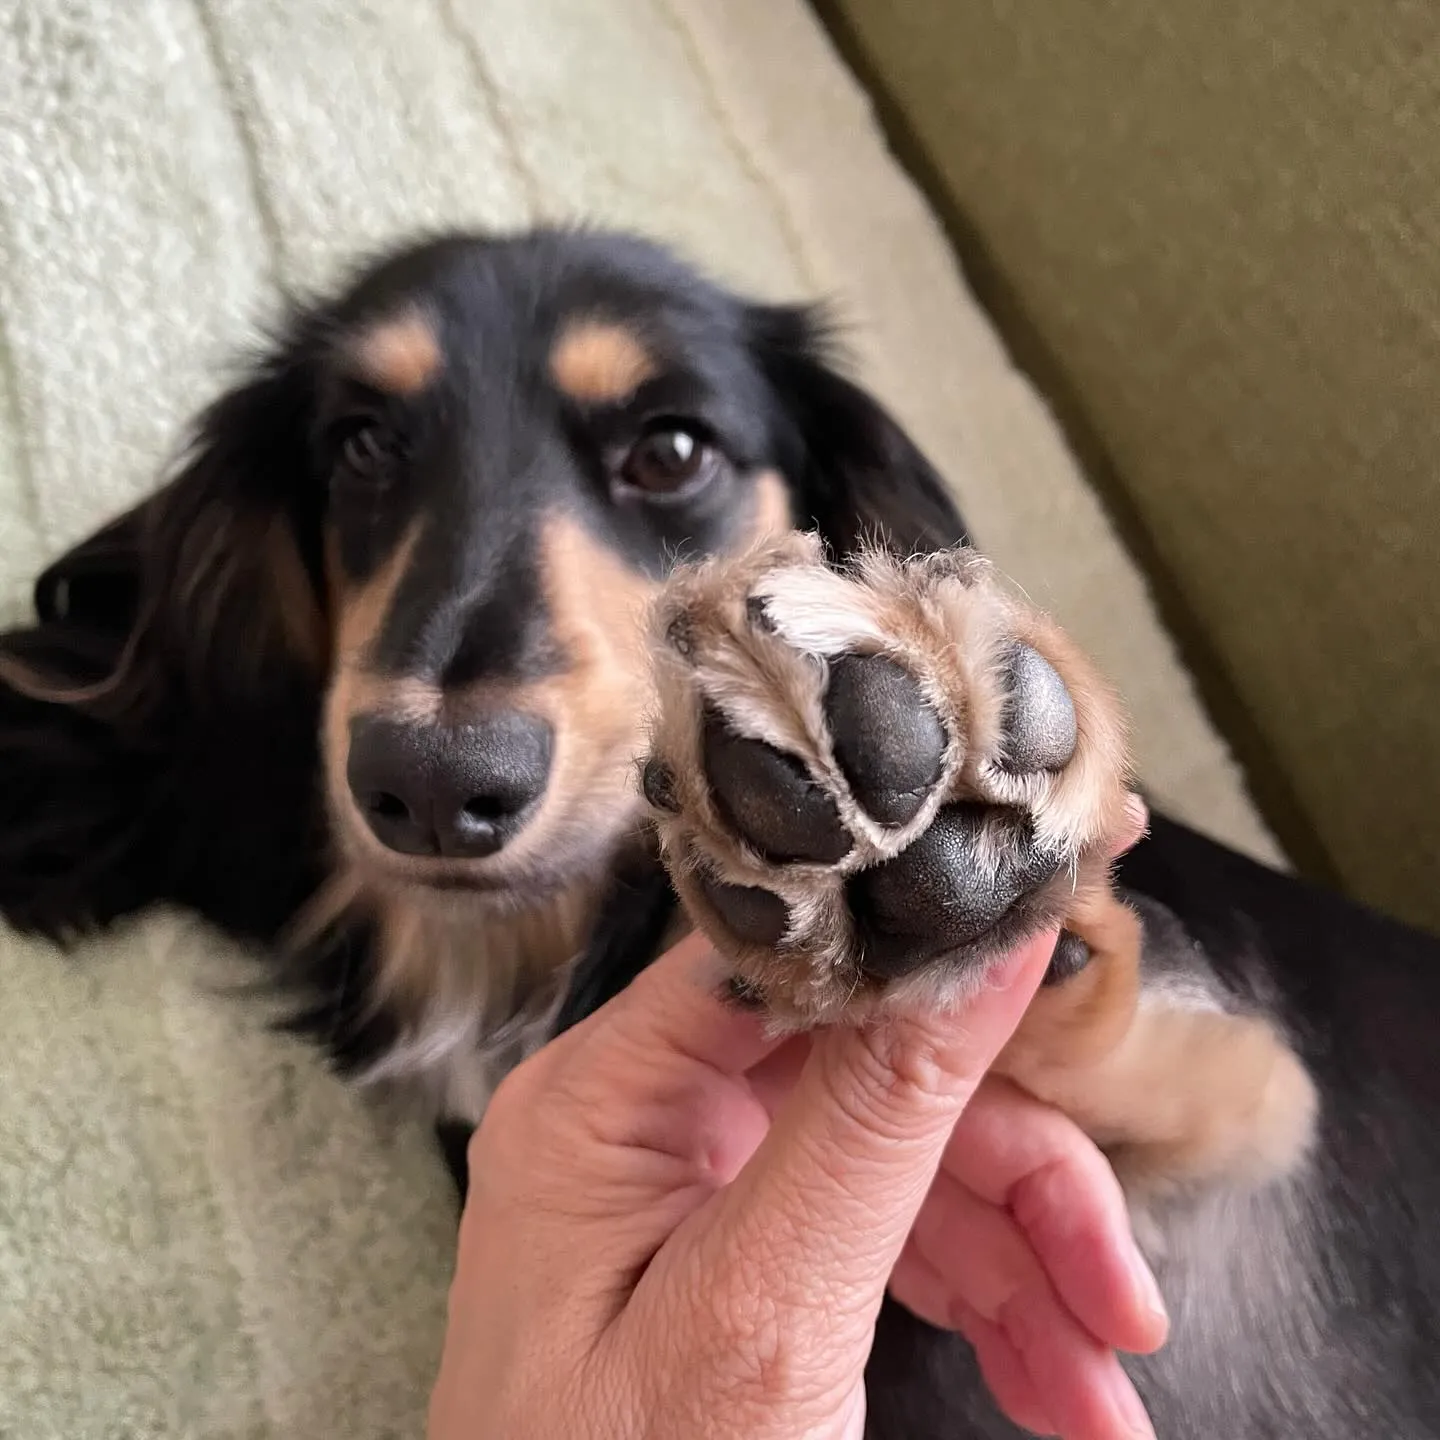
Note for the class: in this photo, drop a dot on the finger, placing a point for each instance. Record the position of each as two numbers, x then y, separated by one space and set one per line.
774 1079
835 1186
1045 1387
610 1136
922 1291
657 1068
1023 1156
981 1256
662 1071
679 1006
1086 1393
1003 1369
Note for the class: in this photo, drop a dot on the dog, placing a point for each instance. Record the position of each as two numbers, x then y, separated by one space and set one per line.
534 598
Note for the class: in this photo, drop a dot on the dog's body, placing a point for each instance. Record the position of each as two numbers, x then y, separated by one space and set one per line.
1306 1307
368 684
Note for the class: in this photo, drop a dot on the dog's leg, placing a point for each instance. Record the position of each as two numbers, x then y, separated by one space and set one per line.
870 783
1179 1094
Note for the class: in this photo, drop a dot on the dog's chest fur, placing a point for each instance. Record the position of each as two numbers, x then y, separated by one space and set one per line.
473 991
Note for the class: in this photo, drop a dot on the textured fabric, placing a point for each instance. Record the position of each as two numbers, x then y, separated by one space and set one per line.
1220 222
201 1233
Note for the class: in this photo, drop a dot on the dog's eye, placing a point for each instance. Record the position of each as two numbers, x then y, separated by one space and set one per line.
668 460
363 449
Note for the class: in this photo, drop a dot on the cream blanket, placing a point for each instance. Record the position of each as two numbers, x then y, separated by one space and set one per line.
201 1233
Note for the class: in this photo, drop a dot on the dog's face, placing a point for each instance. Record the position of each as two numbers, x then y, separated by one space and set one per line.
518 440
422 534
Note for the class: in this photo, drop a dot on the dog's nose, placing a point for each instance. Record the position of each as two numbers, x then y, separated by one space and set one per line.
461 791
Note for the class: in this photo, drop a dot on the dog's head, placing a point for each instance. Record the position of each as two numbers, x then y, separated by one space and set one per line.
446 498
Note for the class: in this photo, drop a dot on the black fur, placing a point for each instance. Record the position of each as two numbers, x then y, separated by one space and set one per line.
160 743
184 769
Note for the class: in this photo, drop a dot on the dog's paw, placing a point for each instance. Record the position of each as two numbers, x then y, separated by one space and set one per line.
867 782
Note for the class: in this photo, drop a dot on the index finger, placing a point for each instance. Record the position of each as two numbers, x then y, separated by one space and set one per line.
835 1186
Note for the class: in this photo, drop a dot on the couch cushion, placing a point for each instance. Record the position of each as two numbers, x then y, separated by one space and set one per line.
1214 228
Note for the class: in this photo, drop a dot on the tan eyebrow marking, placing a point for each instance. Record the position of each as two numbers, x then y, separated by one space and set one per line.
400 355
600 362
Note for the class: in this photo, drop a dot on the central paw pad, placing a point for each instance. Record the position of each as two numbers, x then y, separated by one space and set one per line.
868 782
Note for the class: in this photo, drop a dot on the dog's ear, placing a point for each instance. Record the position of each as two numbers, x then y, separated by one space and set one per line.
234 551
156 715
858 476
213 587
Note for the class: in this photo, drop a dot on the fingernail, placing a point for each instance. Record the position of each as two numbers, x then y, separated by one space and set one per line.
1148 1288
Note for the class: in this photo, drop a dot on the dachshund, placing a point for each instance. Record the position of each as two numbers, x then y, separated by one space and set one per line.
533 598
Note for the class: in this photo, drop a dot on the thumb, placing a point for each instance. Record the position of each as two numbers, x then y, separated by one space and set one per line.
834 1188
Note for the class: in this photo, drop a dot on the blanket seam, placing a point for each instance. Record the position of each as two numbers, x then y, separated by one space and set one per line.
25 459
265 214
713 91
490 93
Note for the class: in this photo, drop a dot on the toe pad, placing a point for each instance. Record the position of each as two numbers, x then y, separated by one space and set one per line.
888 740
1040 731
770 799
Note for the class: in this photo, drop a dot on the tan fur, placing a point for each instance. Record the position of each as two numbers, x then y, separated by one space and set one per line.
1187 1096
598 608
771 515
471 981
1087 806
473 977
400 355
432 957
303 627
596 604
254 556
1177 1093
359 615
27 681
596 703
459 971
1083 1020
598 362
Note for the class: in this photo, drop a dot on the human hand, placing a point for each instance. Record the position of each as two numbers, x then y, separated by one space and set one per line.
1022 1244
647 1250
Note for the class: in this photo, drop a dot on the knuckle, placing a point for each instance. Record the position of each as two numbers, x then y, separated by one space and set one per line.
755 1346
1069 1203
903 1076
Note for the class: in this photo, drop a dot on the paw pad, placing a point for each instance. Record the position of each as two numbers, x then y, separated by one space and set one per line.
889 742
657 784
756 916
959 880
769 798
867 781
1071 956
1039 714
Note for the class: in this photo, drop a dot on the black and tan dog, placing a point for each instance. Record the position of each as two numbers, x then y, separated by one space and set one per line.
534 584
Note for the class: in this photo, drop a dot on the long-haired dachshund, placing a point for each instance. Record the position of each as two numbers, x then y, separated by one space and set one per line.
534 599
